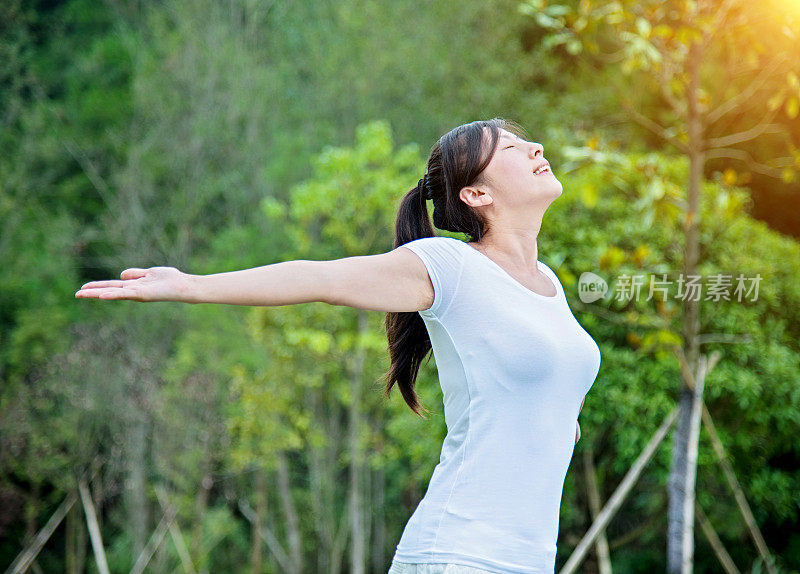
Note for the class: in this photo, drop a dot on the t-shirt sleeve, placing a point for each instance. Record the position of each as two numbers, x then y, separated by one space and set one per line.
443 257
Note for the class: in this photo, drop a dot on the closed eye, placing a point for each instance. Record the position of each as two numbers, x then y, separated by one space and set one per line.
508 147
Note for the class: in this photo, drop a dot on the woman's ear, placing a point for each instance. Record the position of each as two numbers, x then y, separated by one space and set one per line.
474 197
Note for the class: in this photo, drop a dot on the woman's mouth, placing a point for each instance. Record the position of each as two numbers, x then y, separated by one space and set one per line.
542 170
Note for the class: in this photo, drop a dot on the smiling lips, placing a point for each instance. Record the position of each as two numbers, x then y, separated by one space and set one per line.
544 168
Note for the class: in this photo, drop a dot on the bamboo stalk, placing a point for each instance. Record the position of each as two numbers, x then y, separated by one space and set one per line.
593 494
152 544
23 561
94 529
268 537
616 500
715 542
727 469
175 532
738 493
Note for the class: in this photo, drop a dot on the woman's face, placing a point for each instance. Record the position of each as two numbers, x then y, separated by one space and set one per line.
511 178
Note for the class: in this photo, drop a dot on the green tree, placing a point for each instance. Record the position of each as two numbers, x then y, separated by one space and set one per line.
679 50
343 210
621 219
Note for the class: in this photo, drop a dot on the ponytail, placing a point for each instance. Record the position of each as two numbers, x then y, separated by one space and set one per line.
456 161
408 337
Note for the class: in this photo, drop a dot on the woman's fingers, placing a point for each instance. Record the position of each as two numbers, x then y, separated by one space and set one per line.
118 294
119 287
133 273
100 284
107 293
91 292
152 284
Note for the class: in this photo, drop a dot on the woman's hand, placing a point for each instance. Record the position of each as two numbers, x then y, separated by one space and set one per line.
577 432
153 284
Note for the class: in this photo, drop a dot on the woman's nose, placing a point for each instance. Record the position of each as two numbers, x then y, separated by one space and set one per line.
536 149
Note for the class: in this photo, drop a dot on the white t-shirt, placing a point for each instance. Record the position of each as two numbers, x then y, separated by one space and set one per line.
514 367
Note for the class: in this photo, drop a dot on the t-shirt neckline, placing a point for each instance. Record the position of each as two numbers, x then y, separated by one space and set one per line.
539 265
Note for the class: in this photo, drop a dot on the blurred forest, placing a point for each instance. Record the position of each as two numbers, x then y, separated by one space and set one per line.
219 135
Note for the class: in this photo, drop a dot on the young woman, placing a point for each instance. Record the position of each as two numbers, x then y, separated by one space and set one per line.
514 364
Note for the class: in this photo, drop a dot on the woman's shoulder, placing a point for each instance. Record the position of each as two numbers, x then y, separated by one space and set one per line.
438 240
447 250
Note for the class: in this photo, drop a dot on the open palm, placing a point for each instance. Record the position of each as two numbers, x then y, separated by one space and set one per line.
153 284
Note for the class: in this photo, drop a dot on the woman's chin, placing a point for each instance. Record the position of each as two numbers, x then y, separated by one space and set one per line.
549 190
556 189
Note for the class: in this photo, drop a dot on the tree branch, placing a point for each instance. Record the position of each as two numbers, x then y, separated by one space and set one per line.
716 25
739 137
642 120
732 338
654 127
786 161
744 156
748 92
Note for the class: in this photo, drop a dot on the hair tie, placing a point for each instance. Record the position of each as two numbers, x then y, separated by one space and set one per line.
422 184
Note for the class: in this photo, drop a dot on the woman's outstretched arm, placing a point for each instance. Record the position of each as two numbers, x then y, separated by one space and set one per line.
394 281
298 281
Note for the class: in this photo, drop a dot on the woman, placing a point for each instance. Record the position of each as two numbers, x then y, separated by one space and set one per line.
514 364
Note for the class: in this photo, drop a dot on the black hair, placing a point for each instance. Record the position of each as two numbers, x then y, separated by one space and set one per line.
457 160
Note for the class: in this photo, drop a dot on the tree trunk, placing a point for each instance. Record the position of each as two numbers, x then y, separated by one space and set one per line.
75 542
256 553
330 528
319 478
379 520
200 507
357 530
681 482
269 520
31 513
137 499
293 532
